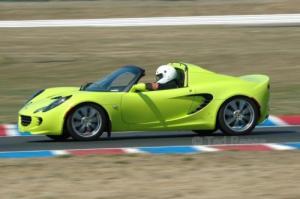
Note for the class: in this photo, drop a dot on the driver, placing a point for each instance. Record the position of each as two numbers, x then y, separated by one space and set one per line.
165 79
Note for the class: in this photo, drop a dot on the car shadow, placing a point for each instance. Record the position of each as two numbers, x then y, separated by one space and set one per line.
160 135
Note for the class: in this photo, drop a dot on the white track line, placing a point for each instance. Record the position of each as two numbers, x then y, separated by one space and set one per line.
11 130
60 152
205 148
279 146
277 121
271 19
132 150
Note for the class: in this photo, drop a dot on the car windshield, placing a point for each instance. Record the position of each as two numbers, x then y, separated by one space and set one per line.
119 81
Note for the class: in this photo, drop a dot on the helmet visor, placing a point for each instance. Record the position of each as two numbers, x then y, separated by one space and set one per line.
159 76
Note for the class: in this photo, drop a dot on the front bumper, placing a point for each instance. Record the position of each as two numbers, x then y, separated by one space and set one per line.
42 123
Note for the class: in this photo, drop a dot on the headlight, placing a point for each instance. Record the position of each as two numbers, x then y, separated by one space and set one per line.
34 95
54 104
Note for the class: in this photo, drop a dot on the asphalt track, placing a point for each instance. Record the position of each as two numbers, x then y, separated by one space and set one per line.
139 139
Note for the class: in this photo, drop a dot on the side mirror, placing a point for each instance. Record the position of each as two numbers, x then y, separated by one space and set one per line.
140 87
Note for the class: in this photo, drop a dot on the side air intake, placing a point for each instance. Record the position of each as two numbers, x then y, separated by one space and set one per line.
207 99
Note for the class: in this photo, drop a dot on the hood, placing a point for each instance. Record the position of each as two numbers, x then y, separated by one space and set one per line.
51 93
47 97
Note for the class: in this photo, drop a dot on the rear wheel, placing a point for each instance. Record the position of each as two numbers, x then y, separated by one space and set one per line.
238 116
86 122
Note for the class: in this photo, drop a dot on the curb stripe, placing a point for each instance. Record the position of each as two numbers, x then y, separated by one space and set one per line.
205 148
244 147
26 154
291 119
169 150
2 130
279 146
79 152
267 123
132 150
295 145
277 121
11 130
152 150
60 152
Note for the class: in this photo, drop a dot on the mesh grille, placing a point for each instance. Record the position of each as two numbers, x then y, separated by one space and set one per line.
25 120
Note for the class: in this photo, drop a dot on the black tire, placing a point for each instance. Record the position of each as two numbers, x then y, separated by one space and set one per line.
224 116
86 135
62 137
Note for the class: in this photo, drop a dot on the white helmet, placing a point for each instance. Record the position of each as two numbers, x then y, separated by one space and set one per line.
165 73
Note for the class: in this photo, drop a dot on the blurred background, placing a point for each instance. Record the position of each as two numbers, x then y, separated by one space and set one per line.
36 58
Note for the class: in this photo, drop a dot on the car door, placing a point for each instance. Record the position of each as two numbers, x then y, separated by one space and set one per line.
156 108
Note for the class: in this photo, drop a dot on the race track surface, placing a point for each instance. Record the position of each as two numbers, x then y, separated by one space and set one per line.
138 139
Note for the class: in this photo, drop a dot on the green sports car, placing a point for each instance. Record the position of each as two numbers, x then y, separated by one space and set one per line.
203 102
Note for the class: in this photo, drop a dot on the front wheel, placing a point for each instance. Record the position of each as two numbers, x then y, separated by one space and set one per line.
238 116
86 122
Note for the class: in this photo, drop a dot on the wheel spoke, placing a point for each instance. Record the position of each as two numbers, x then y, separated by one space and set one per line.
80 113
76 119
77 124
236 123
77 116
88 129
95 118
77 127
88 110
245 111
84 111
245 120
246 107
231 121
92 112
93 125
228 112
82 129
233 105
242 122
241 104
247 117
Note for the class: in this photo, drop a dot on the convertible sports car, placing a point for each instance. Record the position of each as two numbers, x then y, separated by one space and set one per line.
203 102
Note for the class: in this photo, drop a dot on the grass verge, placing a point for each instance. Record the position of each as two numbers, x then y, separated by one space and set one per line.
211 175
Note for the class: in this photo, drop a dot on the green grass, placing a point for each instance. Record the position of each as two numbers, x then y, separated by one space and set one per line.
32 59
